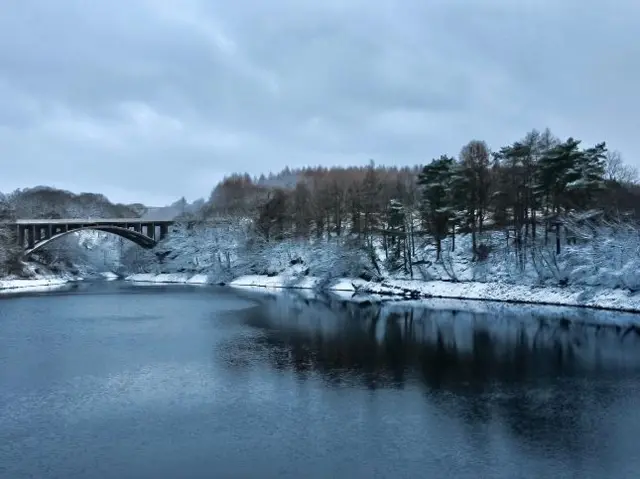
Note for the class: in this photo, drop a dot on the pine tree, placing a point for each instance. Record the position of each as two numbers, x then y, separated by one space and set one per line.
586 179
442 191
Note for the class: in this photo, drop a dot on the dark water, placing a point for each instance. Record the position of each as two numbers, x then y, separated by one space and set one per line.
118 381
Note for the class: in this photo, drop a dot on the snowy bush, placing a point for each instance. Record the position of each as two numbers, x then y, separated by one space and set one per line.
224 249
218 248
602 255
606 256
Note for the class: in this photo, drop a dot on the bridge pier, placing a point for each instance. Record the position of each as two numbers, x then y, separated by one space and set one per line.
20 235
30 236
151 230
164 230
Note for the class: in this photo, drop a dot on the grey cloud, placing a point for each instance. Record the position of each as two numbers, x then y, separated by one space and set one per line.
147 100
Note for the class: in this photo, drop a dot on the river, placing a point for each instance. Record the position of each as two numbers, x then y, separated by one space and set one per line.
112 380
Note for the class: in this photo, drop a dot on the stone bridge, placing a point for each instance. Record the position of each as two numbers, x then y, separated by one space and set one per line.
33 234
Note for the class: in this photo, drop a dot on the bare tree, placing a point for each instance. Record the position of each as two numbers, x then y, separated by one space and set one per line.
616 170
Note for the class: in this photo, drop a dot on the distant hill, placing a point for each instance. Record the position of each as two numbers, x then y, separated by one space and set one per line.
47 202
172 211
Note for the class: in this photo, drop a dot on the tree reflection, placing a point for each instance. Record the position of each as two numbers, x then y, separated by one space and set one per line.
388 346
533 371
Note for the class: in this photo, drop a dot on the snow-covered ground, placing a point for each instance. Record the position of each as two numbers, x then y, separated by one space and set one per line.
37 277
614 299
31 285
177 278
81 255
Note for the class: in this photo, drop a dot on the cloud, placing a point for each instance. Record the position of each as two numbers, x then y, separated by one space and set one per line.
148 100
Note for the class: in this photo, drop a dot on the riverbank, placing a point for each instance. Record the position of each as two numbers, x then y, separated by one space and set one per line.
12 285
174 278
353 288
596 298
45 282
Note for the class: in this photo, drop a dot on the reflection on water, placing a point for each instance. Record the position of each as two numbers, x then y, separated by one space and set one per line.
123 381
390 344
552 380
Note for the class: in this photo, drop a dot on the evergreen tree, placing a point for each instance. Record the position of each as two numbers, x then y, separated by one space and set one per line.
475 162
442 192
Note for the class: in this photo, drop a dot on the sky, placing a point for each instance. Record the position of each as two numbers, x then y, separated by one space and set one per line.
150 100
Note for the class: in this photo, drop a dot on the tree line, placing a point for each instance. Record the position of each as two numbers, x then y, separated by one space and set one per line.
527 189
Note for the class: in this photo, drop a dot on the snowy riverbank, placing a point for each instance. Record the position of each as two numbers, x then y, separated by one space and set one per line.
31 285
45 282
174 278
600 298
611 299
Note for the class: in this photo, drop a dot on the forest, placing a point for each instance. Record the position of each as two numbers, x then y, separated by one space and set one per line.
530 203
539 192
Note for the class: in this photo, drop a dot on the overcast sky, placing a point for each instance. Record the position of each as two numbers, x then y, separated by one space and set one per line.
149 100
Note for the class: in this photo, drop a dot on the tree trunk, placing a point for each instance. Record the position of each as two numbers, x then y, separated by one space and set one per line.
533 224
474 245
385 246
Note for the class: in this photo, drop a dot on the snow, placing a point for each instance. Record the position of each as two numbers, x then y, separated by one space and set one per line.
278 282
617 299
293 282
198 279
31 285
167 278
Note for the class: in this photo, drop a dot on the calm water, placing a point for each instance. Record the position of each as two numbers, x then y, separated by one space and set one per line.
119 381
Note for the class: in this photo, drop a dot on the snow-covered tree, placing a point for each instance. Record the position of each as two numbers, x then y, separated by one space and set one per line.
9 249
444 189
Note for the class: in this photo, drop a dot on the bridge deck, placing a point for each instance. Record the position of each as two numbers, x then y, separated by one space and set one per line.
87 221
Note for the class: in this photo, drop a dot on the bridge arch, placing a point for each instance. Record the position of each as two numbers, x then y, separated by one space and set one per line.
134 236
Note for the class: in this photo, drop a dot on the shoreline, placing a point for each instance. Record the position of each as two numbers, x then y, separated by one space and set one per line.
31 285
616 300
15 285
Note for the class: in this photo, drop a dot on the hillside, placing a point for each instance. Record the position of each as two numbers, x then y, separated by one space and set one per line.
180 207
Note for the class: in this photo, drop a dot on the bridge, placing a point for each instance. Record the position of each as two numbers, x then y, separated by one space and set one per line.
33 234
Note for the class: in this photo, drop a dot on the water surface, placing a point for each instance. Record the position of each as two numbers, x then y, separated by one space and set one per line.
123 381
